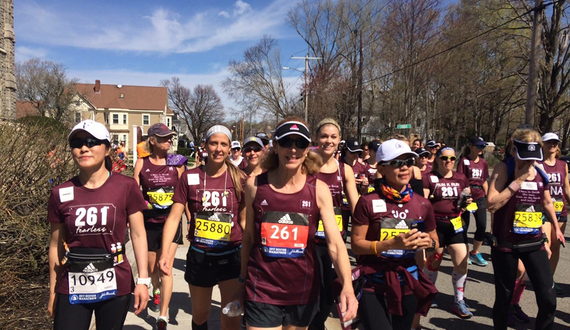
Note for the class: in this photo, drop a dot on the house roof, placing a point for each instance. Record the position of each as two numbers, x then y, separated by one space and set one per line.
25 109
134 97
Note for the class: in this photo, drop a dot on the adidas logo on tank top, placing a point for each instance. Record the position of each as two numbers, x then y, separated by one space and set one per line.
286 219
264 202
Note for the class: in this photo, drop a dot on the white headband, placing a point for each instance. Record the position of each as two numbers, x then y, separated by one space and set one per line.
219 129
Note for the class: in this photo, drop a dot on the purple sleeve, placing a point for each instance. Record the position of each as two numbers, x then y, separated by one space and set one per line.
181 190
53 209
361 213
135 200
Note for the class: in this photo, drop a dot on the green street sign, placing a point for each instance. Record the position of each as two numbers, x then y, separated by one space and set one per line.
402 126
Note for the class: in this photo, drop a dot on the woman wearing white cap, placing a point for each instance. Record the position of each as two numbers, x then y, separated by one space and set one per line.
253 150
279 265
557 171
89 272
236 156
389 225
215 196
519 198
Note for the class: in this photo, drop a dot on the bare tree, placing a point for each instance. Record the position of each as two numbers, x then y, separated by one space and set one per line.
46 86
257 80
200 108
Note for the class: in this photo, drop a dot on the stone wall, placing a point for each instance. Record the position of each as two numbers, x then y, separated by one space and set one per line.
7 61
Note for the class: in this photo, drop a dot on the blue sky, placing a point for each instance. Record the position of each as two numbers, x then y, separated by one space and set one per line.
142 42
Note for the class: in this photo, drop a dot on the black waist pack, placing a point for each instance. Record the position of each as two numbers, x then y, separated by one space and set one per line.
88 260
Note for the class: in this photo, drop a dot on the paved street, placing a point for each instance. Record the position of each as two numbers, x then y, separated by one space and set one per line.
479 293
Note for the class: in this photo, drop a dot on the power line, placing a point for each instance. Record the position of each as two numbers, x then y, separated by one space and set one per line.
461 43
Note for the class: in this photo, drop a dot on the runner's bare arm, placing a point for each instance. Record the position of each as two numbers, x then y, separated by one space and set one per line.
498 194
567 188
56 252
140 248
548 207
170 227
350 187
137 171
248 230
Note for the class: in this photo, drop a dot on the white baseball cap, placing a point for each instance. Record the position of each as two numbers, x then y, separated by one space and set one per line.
393 149
236 145
550 137
97 130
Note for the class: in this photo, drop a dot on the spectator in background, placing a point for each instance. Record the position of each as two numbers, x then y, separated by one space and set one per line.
141 151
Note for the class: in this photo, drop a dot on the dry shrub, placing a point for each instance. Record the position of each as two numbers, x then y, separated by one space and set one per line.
35 158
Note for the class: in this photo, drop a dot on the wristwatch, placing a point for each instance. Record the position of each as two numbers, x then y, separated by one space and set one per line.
145 281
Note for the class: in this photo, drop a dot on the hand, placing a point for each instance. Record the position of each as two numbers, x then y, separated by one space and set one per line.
524 171
424 241
141 298
348 304
560 237
51 304
407 241
239 294
164 264
469 200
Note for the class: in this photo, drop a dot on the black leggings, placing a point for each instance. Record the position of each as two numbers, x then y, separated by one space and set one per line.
109 314
374 312
538 269
326 302
480 219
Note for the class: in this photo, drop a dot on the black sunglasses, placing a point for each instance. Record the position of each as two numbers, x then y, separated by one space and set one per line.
288 142
254 149
481 147
89 142
445 158
236 149
398 163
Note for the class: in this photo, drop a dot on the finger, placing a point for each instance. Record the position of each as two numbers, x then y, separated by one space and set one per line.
137 303
342 303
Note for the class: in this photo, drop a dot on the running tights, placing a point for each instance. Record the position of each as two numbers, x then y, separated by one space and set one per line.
480 219
374 312
109 314
538 269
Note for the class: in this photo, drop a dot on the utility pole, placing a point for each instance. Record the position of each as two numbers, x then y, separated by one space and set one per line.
535 43
306 58
359 125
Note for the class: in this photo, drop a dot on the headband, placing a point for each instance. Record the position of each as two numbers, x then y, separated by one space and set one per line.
443 149
219 129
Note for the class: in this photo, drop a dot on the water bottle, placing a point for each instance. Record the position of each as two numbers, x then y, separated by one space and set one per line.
465 195
233 309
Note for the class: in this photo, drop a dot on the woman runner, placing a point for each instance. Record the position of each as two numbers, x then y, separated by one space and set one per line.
254 151
389 226
89 271
519 199
340 180
475 168
158 174
214 194
422 161
279 264
449 193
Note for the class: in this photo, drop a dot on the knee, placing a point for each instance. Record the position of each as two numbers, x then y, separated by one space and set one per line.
200 317
547 300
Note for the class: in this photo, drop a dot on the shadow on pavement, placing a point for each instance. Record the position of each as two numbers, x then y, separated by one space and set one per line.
454 322
179 264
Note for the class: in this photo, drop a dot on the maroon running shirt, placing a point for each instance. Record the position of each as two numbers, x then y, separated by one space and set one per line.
386 218
214 208
557 177
281 267
427 169
158 182
336 182
96 218
476 172
445 192
523 209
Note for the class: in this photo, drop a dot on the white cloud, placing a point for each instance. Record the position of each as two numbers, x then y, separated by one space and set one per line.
163 31
25 53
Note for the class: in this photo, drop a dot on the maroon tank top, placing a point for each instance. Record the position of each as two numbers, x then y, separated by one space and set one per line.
158 182
521 218
281 267
336 182
214 208
557 177
476 173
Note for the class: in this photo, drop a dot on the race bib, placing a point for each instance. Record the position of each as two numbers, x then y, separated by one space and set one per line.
213 229
457 223
527 222
90 287
284 235
558 207
472 207
161 198
321 229
391 228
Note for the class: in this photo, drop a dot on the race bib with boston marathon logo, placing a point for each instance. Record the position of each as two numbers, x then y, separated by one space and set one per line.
528 219
161 198
213 229
284 234
390 228
321 229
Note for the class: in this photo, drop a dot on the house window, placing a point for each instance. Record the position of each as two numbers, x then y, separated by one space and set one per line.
77 117
146 120
115 118
168 122
124 119
124 138
122 96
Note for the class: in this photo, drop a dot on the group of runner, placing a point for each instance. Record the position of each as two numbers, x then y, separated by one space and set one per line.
268 221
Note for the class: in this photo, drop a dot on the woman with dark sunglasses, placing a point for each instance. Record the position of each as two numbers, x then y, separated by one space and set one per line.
422 161
279 264
449 193
389 226
253 151
519 198
89 272
557 171
475 168
158 174
215 196
340 180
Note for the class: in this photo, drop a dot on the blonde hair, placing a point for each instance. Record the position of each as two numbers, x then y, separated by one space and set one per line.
148 145
311 165
327 121
401 138
526 135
